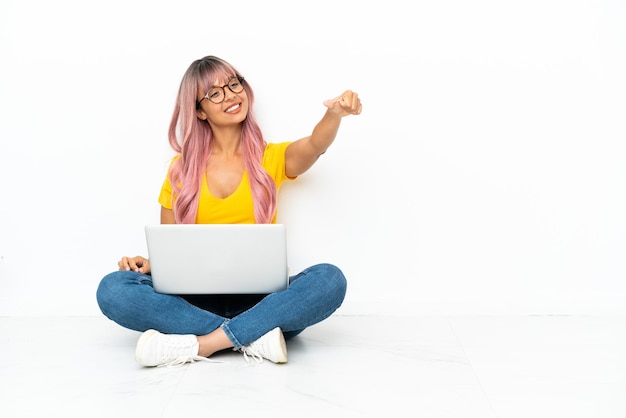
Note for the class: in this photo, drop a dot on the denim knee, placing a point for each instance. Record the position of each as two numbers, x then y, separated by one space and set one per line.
106 291
113 291
334 280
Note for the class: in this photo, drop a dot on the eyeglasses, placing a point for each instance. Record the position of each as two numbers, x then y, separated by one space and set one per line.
217 94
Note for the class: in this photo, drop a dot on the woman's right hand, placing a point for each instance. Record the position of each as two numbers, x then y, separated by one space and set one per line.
138 264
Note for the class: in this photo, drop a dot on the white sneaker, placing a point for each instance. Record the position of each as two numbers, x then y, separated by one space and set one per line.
156 349
270 346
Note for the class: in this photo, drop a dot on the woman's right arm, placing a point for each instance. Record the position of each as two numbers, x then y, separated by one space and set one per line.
167 216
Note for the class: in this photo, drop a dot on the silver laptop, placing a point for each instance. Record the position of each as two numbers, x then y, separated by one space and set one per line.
218 258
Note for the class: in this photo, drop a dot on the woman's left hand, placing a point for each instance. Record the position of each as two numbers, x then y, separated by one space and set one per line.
346 104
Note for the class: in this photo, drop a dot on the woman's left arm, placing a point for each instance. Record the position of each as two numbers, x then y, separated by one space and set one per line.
300 155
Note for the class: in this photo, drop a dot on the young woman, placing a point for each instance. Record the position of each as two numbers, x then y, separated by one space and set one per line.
225 172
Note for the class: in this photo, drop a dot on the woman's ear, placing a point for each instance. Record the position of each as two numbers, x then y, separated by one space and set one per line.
200 114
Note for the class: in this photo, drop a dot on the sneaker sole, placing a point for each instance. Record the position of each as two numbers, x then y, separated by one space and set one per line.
140 345
283 345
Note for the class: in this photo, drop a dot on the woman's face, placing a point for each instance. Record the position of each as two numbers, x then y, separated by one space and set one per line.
226 103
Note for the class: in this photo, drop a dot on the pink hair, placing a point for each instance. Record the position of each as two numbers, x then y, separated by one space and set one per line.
191 137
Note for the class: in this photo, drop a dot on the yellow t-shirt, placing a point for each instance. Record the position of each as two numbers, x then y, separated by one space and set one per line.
238 208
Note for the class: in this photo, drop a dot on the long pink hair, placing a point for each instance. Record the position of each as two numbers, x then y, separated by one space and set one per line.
191 137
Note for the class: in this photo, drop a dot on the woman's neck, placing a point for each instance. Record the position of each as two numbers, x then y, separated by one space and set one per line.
226 141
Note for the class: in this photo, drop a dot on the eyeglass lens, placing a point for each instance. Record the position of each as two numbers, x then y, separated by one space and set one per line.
217 94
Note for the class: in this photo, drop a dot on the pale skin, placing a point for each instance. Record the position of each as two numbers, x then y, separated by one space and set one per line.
225 167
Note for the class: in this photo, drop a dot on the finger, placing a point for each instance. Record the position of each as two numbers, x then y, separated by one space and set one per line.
356 105
350 101
136 263
123 264
356 102
331 102
145 266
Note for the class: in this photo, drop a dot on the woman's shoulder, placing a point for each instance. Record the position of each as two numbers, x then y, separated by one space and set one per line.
274 158
276 147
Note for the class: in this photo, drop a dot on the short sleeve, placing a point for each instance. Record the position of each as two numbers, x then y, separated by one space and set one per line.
274 161
165 197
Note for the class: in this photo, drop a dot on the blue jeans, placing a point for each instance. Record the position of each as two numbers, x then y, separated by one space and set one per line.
128 298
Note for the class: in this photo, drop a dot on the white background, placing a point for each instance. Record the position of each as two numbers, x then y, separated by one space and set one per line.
486 174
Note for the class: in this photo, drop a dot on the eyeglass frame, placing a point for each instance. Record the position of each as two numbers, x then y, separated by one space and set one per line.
206 96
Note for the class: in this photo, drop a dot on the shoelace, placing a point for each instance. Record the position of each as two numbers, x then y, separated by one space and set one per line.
179 361
249 352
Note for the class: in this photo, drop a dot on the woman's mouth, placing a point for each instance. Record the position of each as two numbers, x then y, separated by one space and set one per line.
233 108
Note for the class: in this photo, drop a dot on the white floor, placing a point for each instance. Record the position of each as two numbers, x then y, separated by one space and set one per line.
346 366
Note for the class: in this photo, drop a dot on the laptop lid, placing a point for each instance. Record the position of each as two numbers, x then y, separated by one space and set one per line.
217 258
